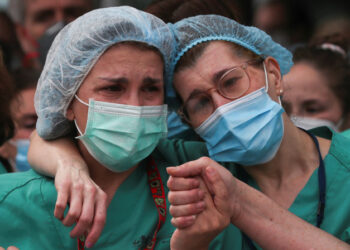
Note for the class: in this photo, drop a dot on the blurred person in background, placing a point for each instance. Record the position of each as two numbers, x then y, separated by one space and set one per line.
9 44
6 123
288 22
317 89
33 17
24 117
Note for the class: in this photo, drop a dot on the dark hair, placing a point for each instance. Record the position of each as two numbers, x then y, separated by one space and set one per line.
6 95
175 10
25 78
331 63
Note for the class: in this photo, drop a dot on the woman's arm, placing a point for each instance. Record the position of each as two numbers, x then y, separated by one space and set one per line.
87 202
264 221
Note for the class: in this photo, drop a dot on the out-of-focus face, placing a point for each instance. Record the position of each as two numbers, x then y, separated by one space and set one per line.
216 59
124 74
308 95
42 14
23 113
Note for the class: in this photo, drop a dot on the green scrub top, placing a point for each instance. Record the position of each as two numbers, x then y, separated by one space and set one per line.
27 202
337 210
346 133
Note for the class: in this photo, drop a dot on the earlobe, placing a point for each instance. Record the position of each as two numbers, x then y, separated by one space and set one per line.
70 114
274 75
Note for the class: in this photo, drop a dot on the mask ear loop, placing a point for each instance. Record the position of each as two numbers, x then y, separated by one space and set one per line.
267 84
75 121
81 101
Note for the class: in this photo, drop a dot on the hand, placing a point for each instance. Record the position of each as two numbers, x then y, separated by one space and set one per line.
207 224
9 248
185 195
88 203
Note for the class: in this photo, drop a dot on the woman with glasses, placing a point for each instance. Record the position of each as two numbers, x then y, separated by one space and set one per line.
228 77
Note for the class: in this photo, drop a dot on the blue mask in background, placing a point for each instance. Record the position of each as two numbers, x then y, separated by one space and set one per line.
247 131
175 126
22 163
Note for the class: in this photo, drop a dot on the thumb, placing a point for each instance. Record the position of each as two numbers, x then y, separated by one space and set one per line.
218 189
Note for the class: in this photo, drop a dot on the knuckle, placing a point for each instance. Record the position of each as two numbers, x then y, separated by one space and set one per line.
91 189
78 186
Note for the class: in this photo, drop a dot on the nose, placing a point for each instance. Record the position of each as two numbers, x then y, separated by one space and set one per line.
131 99
218 100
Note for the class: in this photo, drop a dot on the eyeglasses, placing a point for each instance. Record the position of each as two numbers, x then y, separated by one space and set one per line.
233 84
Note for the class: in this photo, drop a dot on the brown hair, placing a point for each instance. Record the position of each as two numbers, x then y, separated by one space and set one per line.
6 95
332 64
175 10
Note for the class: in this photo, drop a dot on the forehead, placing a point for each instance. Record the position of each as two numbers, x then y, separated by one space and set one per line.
32 5
305 82
123 60
218 55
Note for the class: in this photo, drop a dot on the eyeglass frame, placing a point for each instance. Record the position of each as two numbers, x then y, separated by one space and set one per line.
182 112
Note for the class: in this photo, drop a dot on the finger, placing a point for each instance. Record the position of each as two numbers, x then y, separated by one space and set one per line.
185 197
61 203
218 188
187 210
181 184
87 213
99 220
1 248
11 248
191 168
183 222
74 209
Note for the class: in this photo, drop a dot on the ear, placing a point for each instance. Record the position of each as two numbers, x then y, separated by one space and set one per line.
69 113
274 75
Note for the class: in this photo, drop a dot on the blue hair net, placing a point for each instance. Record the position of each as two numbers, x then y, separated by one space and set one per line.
194 30
78 47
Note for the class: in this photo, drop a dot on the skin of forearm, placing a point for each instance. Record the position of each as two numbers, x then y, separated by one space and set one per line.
273 227
47 156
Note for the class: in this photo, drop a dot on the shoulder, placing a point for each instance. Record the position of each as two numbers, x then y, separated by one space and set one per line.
340 148
30 184
177 151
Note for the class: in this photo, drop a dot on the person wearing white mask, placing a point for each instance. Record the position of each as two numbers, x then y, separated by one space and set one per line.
316 90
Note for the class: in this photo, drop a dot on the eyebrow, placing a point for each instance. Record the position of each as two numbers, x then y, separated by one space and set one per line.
124 80
121 80
150 80
219 74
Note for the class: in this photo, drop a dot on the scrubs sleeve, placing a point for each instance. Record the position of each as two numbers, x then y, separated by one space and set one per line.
177 152
24 214
346 236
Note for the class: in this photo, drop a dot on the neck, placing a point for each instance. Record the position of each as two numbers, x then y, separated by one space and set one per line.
296 159
106 179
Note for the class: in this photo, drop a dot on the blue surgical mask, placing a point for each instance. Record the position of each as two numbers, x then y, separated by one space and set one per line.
22 163
247 131
175 126
120 136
